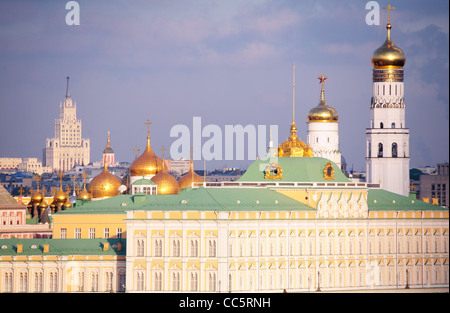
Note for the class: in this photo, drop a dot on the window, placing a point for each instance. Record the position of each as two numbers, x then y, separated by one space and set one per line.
63 233
140 247
212 282
212 248
106 233
194 248
109 281
158 247
81 281
140 281
53 282
394 150
38 282
381 125
119 233
393 125
176 247
77 233
176 282
122 280
91 233
194 281
23 282
380 150
158 281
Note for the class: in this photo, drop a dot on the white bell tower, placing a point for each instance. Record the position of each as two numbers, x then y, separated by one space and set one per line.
387 151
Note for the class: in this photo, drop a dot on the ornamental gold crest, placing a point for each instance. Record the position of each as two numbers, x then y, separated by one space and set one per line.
274 171
328 171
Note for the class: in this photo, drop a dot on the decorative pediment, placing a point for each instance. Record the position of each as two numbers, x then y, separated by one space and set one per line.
157 267
157 235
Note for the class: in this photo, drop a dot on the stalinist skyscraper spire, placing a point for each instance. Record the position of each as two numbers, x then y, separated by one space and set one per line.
387 155
67 148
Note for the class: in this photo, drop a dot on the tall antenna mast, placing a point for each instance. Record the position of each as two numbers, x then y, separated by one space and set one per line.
67 89
293 95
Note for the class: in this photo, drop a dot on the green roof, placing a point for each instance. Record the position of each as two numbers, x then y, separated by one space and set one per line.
295 169
201 199
143 181
61 246
380 200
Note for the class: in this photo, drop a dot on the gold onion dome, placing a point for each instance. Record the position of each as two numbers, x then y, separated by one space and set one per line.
36 197
60 196
322 112
388 56
67 205
190 177
84 194
167 184
104 185
43 205
148 164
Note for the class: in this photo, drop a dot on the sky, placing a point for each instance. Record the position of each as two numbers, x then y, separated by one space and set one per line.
228 62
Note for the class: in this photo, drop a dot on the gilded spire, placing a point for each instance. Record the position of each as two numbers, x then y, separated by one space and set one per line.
293 95
163 161
322 78
293 136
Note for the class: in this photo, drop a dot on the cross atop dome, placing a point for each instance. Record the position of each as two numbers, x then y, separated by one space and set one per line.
389 8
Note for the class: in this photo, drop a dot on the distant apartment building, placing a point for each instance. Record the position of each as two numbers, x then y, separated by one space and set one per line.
434 188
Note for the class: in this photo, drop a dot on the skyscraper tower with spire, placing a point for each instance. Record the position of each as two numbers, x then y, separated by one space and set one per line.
67 148
387 154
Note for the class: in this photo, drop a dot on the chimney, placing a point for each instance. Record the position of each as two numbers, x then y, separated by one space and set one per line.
19 248
119 246
105 246
46 248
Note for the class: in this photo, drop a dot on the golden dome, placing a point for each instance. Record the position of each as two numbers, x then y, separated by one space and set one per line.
43 205
67 205
294 147
190 177
322 112
148 164
388 56
167 184
36 197
104 185
60 196
84 194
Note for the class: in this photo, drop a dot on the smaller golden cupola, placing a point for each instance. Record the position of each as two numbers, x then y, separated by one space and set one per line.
323 112
167 184
84 194
60 196
190 177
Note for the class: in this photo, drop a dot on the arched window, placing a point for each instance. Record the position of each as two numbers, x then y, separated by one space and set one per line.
394 150
381 125
380 150
393 125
